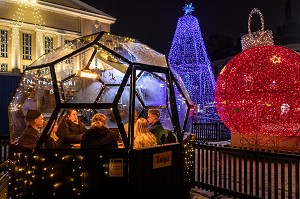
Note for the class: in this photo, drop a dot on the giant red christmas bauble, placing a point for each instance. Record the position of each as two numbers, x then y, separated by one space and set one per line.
258 92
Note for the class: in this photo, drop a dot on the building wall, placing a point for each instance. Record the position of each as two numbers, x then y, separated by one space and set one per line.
41 21
8 86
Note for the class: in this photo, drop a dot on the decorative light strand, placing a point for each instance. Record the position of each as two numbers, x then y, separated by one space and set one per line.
188 56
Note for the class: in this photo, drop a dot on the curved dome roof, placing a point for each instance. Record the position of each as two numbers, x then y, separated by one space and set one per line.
127 50
100 73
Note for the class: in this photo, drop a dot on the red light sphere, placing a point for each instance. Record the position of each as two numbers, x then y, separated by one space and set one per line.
258 92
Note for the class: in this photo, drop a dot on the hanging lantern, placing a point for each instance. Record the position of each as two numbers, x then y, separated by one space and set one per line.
258 94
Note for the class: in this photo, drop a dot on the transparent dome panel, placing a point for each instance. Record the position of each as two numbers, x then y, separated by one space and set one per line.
133 50
86 115
166 120
107 61
108 94
181 105
180 84
35 91
112 76
124 104
64 50
110 117
152 89
71 65
138 73
80 90
110 68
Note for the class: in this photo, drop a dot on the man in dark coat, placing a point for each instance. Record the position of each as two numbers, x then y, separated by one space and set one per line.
155 126
31 133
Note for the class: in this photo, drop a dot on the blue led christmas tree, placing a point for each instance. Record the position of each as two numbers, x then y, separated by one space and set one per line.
189 58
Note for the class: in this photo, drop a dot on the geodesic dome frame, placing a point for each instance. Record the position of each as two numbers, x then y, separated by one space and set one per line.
104 73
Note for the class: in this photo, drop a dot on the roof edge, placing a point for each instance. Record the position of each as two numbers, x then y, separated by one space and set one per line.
101 16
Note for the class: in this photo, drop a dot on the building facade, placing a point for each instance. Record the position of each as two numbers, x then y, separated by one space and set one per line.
31 28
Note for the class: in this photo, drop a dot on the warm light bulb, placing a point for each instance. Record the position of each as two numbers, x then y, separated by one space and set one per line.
88 74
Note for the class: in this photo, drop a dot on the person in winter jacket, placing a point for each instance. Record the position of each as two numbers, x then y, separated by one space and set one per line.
31 133
99 135
156 127
71 129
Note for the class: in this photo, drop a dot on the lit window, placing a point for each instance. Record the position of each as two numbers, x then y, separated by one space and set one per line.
48 44
3 43
3 67
27 46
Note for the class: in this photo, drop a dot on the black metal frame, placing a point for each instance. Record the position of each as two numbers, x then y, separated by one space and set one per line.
131 72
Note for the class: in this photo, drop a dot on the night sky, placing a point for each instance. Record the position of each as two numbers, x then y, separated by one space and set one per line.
154 22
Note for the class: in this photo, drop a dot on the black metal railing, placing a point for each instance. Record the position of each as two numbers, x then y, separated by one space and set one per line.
247 173
211 132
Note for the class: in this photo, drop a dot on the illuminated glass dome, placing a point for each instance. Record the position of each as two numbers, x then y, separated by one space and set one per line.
104 73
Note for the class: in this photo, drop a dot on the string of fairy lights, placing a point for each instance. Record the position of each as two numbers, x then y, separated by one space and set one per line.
19 16
257 93
31 170
18 24
189 158
189 57
63 172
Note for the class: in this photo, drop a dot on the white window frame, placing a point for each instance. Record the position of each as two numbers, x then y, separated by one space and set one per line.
48 44
27 46
3 43
3 67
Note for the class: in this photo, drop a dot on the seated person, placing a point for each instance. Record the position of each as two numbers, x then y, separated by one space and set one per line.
53 141
142 136
31 133
171 137
71 129
98 135
155 126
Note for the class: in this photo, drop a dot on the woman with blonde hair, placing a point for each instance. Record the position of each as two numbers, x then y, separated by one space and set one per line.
142 136
98 135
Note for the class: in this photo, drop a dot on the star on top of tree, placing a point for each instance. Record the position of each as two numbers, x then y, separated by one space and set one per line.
188 8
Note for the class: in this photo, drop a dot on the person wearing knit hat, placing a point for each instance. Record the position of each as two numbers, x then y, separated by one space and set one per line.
31 133
32 115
